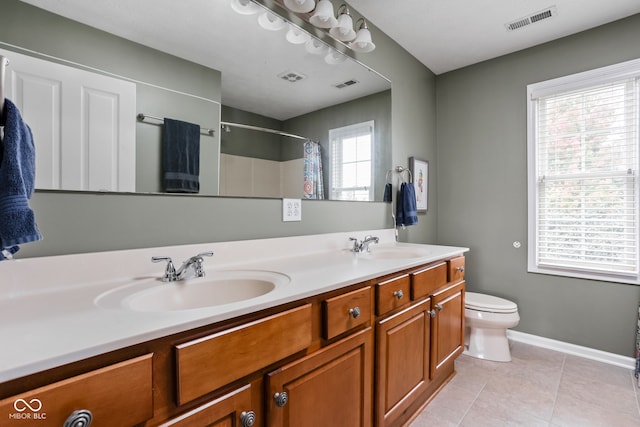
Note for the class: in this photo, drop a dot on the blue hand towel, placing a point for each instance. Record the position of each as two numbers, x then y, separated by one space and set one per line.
180 156
409 204
406 209
17 178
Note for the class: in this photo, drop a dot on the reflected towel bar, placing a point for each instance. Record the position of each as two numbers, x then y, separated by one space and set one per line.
142 116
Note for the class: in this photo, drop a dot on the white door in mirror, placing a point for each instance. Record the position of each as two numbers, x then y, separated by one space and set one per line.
291 210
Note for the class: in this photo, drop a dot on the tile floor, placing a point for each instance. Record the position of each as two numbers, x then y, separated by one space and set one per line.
539 387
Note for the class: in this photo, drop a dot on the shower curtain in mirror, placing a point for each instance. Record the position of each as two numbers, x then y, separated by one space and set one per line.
313 185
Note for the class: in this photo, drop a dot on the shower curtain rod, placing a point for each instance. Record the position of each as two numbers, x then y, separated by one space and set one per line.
261 129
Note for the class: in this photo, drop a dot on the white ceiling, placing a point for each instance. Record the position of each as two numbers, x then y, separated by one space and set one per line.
448 34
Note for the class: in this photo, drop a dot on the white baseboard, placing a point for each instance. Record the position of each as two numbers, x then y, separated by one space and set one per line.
576 350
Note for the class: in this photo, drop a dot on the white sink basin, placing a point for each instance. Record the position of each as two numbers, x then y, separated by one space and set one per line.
394 253
217 288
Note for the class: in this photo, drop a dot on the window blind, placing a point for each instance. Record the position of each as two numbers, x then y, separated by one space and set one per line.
586 177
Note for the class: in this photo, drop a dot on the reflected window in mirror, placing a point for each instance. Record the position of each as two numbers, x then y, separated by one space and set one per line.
351 162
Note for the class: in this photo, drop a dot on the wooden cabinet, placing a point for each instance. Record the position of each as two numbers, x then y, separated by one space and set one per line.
206 364
232 409
448 326
370 354
392 293
402 360
120 394
331 387
344 312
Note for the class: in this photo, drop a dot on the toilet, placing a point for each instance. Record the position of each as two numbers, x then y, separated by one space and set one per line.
487 319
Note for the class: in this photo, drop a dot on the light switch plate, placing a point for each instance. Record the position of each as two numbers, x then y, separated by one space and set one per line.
291 210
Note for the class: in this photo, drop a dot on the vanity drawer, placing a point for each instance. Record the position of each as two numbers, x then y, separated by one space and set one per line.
456 269
119 394
208 363
426 281
392 294
346 311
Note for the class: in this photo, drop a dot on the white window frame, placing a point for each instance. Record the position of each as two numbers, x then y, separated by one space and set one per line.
344 132
560 85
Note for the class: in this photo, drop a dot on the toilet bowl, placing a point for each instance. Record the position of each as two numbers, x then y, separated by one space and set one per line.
487 319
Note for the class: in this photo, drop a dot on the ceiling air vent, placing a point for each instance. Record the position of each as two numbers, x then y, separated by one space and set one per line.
542 15
347 83
292 76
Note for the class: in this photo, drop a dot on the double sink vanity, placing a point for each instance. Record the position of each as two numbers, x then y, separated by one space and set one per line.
297 331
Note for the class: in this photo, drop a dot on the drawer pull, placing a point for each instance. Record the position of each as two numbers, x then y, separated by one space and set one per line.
81 418
281 399
247 418
439 307
354 312
460 269
398 294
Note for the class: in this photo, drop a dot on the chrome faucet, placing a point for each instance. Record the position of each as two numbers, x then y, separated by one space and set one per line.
193 264
363 246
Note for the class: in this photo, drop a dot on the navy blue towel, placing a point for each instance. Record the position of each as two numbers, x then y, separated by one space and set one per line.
17 178
386 197
180 157
406 209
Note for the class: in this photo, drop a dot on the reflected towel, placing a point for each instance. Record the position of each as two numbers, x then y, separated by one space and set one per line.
180 156
17 178
387 193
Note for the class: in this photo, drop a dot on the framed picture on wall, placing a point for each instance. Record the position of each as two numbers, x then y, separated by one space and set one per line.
420 173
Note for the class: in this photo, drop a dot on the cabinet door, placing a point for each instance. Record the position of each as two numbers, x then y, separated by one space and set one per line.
331 387
402 361
233 409
447 327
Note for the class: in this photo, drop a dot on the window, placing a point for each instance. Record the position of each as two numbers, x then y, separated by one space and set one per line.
351 151
583 174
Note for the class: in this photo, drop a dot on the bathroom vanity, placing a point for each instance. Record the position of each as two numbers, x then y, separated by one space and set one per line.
348 339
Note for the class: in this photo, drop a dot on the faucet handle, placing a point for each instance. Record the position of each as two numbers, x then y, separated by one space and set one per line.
198 270
170 271
356 245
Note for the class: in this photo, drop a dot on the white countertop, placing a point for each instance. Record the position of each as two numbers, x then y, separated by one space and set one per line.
49 316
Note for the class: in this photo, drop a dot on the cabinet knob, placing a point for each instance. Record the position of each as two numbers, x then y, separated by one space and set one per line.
432 313
247 418
281 399
398 294
354 312
439 307
460 269
80 418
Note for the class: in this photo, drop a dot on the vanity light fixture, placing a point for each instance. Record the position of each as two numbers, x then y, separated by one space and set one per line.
343 30
362 42
271 21
296 35
300 6
323 17
245 7
316 47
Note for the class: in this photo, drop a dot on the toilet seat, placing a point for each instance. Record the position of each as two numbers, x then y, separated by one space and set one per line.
489 303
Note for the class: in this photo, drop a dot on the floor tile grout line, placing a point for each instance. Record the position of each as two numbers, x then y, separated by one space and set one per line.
472 403
557 394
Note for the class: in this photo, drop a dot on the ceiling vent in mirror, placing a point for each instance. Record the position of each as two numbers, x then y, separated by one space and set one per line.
542 15
292 76
346 84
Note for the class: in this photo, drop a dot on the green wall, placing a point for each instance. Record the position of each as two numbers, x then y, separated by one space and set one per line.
482 188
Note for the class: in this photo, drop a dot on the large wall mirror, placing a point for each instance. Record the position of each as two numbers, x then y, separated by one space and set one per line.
246 66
